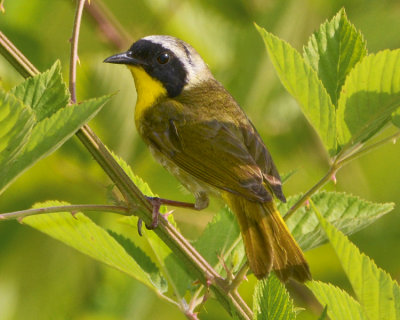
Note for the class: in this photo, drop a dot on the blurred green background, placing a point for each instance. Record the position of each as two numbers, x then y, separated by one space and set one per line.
43 279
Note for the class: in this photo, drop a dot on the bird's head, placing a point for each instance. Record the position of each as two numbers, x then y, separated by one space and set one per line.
164 64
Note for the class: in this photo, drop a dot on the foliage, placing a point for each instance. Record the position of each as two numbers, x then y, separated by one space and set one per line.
347 95
79 232
36 120
347 213
272 301
378 295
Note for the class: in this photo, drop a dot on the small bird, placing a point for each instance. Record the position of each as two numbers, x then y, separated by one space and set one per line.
199 133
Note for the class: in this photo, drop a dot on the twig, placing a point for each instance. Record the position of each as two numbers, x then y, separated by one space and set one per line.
168 299
194 301
309 193
340 161
68 208
368 148
240 276
16 58
108 24
74 49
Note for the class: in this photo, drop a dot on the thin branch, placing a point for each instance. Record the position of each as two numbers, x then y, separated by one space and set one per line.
182 302
367 149
340 161
74 49
16 58
240 276
195 300
108 25
309 193
68 208
168 299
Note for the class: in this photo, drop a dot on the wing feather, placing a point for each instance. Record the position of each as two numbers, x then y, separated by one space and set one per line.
214 142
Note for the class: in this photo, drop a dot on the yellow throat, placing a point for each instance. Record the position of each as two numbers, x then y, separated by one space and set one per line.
148 89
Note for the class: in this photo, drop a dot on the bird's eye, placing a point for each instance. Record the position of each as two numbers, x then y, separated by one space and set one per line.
163 58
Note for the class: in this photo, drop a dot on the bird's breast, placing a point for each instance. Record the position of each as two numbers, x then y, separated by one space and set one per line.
149 91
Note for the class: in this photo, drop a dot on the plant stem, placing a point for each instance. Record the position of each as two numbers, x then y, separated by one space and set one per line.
67 208
340 161
16 58
74 49
191 260
108 25
332 170
195 300
361 152
240 276
168 299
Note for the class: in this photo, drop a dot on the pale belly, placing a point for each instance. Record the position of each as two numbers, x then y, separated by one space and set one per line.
199 189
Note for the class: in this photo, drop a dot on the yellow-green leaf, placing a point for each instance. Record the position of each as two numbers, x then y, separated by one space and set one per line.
45 93
49 134
333 51
271 300
82 234
16 122
346 212
302 82
340 305
377 293
369 96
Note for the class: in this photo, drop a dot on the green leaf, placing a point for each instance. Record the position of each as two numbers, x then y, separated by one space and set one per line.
45 93
377 293
180 279
396 118
369 96
271 300
218 236
324 314
84 235
16 121
142 185
340 305
49 134
165 259
302 82
333 51
346 212
143 260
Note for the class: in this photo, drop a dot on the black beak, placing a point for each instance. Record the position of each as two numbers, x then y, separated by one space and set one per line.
124 58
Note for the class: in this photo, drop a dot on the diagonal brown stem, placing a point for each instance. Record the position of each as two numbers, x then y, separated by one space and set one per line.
108 25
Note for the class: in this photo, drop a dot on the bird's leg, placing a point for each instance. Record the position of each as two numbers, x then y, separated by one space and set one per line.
201 203
158 202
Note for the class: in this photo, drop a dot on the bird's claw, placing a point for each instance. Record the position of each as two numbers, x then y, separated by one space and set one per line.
156 203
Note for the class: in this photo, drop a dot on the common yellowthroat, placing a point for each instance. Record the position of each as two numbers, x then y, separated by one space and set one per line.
197 131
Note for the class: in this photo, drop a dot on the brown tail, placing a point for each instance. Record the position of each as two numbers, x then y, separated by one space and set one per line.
268 242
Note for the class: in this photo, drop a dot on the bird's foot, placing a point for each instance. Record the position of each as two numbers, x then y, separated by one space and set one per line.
157 203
